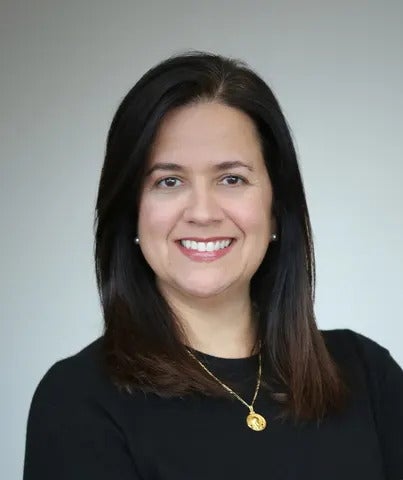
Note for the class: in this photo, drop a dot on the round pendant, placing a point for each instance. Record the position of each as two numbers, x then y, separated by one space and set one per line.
256 422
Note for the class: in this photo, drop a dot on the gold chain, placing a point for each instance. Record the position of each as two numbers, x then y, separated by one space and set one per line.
254 420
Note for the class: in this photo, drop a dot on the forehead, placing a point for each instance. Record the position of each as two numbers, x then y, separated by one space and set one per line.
209 129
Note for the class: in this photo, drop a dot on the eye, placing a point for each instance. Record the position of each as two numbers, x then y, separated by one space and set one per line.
167 182
234 180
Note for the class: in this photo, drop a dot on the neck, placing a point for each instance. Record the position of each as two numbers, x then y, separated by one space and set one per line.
225 327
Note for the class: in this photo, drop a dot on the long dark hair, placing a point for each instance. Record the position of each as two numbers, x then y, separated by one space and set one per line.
143 341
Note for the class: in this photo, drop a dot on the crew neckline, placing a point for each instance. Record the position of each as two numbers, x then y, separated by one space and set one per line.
223 360
239 370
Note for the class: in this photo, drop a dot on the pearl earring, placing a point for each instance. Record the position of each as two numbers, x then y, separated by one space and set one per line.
136 240
274 236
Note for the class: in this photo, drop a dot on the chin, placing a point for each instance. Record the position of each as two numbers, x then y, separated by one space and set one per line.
203 290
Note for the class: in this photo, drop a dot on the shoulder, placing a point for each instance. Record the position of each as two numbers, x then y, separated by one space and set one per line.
74 379
362 356
76 395
76 369
349 342
374 371
76 423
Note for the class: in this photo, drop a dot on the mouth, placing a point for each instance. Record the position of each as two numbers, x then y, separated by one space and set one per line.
210 251
210 245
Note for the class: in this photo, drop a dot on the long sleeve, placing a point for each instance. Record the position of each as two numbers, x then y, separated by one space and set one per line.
70 436
385 378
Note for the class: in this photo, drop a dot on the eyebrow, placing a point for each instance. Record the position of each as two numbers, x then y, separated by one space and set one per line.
179 168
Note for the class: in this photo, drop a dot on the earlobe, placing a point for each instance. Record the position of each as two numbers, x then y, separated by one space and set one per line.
274 235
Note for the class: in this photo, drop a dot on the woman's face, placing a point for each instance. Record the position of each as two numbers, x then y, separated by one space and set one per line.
206 184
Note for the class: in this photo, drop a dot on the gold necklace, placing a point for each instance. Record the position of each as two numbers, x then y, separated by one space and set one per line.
254 420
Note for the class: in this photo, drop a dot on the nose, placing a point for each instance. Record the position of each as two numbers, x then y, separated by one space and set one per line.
202 206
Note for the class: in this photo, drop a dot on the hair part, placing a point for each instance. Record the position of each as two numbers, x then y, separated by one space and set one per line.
144 344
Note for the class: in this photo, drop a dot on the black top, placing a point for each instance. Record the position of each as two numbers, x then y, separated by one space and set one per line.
80 427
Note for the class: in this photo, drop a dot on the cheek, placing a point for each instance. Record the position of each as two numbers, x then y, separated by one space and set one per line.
253 214
155 217
255 224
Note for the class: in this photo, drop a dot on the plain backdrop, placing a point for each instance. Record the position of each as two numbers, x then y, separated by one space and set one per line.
337 69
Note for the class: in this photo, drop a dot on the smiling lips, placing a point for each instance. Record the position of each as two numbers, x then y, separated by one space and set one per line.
205 250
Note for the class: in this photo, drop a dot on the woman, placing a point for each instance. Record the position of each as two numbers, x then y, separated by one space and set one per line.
211 365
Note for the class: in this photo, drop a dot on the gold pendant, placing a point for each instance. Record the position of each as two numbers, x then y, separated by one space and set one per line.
255 421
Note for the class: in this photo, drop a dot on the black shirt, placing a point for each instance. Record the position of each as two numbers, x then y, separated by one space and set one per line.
80 427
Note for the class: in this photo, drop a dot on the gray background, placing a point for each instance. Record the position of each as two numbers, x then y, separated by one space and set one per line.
337 68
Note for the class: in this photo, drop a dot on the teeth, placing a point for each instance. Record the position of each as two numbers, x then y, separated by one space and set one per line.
201 247
210 246
205 247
